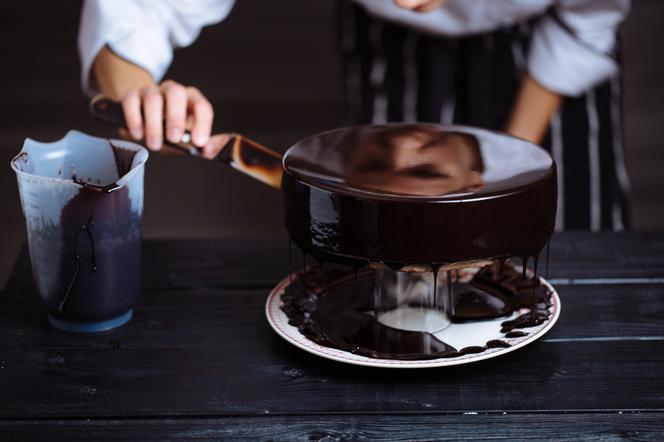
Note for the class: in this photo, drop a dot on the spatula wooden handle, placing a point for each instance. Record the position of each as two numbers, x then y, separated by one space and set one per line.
237 151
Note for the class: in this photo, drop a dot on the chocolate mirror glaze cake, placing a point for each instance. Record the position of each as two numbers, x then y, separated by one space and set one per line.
410 194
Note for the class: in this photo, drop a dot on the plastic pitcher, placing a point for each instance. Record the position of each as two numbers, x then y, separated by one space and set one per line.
82 198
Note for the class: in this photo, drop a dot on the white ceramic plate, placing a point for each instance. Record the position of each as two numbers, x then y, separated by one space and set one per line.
457 335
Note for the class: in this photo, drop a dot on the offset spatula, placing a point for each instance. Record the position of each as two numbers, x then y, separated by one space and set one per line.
239 152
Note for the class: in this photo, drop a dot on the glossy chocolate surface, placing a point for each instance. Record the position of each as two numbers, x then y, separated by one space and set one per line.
336 311
418 194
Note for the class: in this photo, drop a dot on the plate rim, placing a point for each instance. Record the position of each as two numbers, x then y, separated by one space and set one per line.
274 301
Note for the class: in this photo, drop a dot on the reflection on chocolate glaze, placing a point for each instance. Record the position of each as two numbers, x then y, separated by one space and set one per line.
418 194
340 314
474 302
425 162
417 160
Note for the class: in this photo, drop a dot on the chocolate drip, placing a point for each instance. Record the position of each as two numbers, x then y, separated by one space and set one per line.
548 249
496 343
475 302
450 294
77 268
501 262
101 230
355 194
530 319
93 254
415 195
434 270
290 261
87 228
528 294
123 159
321 270
341 315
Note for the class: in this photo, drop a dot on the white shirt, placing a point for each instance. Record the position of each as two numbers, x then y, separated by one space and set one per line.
568 54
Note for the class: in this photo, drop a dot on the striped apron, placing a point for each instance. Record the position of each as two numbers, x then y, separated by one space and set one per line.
396 74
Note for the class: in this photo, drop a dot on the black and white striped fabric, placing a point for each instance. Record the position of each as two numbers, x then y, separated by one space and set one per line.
396 74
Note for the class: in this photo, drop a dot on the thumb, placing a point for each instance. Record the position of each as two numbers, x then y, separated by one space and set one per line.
215 145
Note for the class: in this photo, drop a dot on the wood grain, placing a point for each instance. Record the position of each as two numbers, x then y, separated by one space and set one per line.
165 318
211 352
237 263
199 360
447 427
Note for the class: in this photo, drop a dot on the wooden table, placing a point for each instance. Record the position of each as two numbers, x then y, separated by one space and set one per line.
200 361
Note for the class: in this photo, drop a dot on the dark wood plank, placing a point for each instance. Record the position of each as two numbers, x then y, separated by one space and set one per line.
589 312
187 264
198 264
607 255
533 426
211 352
573 255
626 311
228 263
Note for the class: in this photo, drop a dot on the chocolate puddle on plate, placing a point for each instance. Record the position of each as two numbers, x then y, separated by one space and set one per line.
341 314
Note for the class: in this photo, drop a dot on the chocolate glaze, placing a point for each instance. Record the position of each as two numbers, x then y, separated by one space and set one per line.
253 159
418 194
476 302
101 239
340 314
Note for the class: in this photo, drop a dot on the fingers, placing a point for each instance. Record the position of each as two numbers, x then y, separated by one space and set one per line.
131 105
124 133
202 113
215 145
157 112
175 101
153 111
420 5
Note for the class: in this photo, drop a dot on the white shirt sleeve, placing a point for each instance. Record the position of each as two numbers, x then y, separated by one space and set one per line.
144 32
458 17
571 50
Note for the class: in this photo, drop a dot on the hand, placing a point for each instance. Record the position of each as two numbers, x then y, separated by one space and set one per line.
215 145
532 111
420 5
171 108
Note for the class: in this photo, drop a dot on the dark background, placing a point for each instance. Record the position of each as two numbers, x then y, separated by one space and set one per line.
272 72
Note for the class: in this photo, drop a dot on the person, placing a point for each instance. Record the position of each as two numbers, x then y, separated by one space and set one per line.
416 160
544 70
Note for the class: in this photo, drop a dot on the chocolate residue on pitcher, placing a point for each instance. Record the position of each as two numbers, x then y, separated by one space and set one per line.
340 315
123 158
87 228
123 161
101 234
